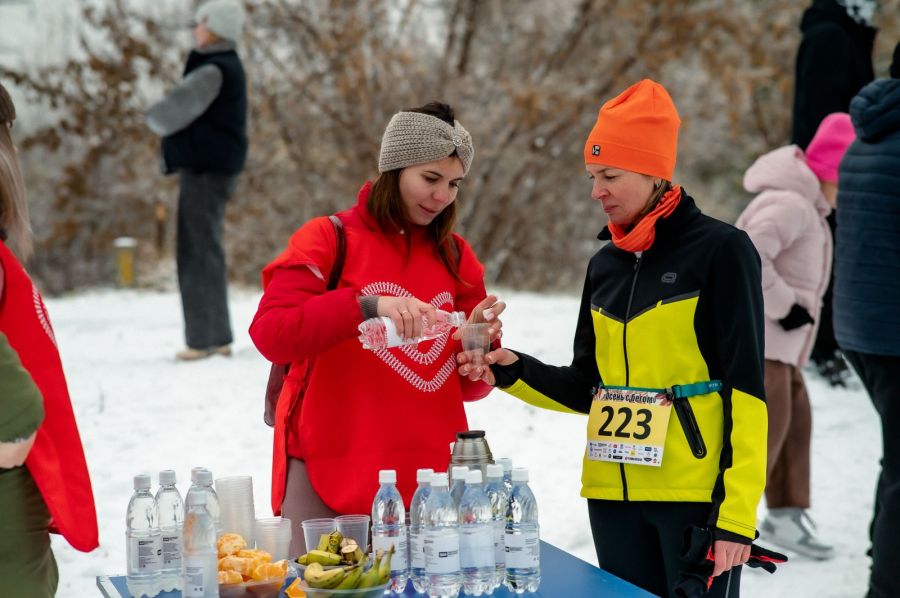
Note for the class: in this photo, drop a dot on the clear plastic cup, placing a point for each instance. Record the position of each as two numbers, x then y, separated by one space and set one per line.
313 530
476 342
356 527
237 512
274 536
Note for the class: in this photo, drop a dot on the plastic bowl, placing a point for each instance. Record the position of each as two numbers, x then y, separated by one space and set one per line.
269 588
373 592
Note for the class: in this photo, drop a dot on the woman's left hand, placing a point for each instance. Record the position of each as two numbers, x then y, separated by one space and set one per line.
13 454
488 310
728 555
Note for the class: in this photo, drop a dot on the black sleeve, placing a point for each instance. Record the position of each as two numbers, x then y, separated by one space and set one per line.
569 386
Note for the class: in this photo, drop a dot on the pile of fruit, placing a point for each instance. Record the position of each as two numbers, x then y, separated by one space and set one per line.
238 564
348 565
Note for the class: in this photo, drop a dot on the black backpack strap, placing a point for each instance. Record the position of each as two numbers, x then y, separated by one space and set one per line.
340 255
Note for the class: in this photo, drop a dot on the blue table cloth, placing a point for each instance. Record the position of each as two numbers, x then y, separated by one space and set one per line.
562 576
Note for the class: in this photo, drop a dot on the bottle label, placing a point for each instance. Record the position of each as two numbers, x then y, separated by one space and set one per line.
417 550
171 551
523 550
197 575
442 552
476 546
398 561
499 544
146 554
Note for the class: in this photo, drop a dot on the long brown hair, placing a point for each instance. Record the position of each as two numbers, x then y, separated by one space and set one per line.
14 222
386 204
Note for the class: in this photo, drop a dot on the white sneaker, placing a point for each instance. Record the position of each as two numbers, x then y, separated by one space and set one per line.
792 528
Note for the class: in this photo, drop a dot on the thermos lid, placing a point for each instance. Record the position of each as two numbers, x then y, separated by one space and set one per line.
470 434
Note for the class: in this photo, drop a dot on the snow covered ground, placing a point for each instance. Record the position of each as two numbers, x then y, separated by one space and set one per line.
140 411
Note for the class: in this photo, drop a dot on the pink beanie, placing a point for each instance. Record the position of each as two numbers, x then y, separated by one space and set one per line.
832 138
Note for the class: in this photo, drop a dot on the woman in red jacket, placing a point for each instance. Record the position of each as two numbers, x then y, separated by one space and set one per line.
51 492
363 410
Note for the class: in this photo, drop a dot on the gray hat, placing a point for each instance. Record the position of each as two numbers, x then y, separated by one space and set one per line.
225 18
415 138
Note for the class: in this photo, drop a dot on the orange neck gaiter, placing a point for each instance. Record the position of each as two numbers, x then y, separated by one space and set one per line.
641 236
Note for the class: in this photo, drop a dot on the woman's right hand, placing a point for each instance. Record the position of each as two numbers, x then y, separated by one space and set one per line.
483 372
407 313
13 454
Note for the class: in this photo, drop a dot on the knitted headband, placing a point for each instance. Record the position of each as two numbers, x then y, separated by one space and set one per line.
414 138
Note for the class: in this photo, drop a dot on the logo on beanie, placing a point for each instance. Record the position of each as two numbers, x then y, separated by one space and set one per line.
595 151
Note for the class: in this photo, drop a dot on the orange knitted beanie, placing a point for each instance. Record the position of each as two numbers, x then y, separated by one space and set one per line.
637 131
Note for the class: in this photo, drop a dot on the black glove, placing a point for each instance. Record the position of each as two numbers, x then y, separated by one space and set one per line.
797 317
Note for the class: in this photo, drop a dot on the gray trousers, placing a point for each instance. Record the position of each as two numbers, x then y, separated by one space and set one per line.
202 274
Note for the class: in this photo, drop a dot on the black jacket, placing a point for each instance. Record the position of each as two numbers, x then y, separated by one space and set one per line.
217 140
867 248
833 63
689 309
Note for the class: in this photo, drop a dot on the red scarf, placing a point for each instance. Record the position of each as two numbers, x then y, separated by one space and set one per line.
642 234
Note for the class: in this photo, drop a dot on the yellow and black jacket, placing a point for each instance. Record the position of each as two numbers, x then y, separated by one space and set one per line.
689 309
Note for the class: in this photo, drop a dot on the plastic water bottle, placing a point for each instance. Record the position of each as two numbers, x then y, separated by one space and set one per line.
476 538
416 529
194 487
441 541
143 543
497 495
201 575
171 522
522 539
389 527
507 464
458 482
380 333
203 484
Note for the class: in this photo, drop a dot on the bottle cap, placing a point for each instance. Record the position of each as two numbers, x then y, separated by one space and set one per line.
424 475
387 476
506 462
519 474
470 434
438 480
458 472
167 477
204 478
473 476
194 472
494 470
142 481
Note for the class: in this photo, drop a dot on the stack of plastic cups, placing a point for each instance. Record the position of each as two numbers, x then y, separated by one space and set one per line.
274 536
237 513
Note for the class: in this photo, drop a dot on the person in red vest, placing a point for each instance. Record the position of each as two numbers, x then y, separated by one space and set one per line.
364 410
44 482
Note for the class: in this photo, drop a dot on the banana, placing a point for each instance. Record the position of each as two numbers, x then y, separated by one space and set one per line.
370 577
317 577
323 542
334 542
351 578
303 559
351 553
324 558
384 570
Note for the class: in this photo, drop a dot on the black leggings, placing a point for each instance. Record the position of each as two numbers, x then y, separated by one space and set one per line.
641 543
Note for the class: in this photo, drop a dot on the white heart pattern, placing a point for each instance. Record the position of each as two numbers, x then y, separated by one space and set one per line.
413 351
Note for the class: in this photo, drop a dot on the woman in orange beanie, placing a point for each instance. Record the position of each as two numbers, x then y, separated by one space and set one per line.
668 365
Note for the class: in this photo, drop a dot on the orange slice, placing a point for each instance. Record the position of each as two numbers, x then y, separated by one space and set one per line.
230 544
269 571
295 590
228 577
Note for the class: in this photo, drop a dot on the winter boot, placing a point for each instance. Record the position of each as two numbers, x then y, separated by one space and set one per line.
792 528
